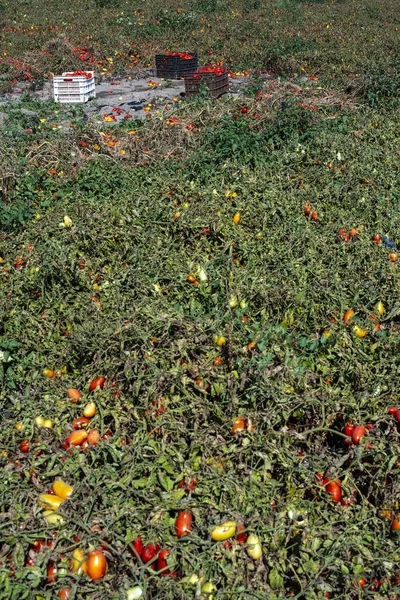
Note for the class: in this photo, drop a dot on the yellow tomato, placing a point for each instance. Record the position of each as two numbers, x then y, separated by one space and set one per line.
89 410
62 489
78 563
19 426
361 333
48 423
53 518
236 218
380 308
39 421
224 531
50 501
219 341
254 549
208 588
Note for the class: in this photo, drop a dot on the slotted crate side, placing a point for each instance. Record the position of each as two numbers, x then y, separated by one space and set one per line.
217 84
174 67
69 88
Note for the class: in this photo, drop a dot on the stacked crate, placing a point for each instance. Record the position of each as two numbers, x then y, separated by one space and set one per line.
74 87
215 78
176 64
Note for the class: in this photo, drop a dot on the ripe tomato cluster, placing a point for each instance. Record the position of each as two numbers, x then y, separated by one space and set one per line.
355 433
181 55
309 212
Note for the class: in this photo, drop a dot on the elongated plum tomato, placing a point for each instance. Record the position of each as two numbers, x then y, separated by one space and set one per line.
98 382
53 518
347 316
254 548
76 438
74 394
89 410
62 489
358 433
183 523
80 422
162 562
335 491
137 545
50 501
149 552
78 563
51 573
96 565
224 531
93 437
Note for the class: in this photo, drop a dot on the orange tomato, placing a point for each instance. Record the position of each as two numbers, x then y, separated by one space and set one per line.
307 209
64 593
76 438
347 315
314 216
393 257
93 437
239 424
96 565
74 394
49 373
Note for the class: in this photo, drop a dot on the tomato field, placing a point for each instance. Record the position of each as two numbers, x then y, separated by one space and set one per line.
199 309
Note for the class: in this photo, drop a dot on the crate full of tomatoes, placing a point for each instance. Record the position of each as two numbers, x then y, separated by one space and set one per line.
215 78
176 65
74 87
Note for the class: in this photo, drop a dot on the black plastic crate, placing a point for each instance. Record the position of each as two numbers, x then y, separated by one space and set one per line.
175 67
217 83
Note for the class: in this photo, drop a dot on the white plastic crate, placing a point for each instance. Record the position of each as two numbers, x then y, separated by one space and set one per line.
71 88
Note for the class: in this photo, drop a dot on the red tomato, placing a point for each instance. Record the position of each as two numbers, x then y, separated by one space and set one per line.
162 562
137 545
244 110
314 216
348 428
149 552
96 565
98 382
241 537
307 209
348 441
334 489
358 433
392 410
397 416
369 426
80 422
30 562
64 593
183 524
25 446
377 239
51 573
